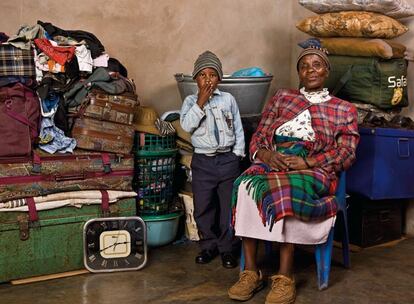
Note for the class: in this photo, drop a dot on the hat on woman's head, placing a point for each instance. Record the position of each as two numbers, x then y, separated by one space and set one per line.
207 60
144 120
313 50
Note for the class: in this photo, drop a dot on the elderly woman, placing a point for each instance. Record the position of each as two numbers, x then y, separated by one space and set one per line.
305 137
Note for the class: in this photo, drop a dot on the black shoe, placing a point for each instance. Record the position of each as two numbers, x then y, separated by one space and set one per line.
228 260
206 256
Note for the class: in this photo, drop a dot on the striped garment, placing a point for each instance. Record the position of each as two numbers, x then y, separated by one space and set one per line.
16 62
306 194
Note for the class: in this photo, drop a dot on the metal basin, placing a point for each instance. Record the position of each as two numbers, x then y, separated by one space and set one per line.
250 92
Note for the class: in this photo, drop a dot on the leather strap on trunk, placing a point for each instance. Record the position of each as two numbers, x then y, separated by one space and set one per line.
105 202
33 216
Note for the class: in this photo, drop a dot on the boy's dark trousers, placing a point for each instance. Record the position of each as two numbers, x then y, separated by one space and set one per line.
213 177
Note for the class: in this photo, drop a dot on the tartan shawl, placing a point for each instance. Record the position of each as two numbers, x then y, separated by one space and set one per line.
306 194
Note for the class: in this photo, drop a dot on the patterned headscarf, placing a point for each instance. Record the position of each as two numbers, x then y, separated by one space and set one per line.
321 52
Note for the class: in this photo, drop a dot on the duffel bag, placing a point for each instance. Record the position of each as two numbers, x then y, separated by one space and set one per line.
372 80
19 120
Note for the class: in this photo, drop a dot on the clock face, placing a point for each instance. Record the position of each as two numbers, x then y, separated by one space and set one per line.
114 244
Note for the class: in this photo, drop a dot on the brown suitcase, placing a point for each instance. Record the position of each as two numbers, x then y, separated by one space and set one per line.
98 135
103 106
48 173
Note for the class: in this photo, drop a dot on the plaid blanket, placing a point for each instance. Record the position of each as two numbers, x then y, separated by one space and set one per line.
16 62
306 194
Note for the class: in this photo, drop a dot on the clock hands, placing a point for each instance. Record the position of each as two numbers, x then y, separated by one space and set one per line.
114 244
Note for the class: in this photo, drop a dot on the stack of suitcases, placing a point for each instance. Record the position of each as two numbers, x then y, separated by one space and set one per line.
49 106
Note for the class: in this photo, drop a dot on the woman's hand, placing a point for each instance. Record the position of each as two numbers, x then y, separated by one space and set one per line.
275 160
281 162
295 162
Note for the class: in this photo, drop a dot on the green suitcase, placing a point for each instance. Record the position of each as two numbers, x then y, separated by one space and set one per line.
52 244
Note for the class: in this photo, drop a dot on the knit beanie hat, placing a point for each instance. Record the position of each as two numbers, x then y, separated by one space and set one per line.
207 60
315 51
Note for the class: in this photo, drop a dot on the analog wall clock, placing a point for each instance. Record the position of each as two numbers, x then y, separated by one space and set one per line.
115 244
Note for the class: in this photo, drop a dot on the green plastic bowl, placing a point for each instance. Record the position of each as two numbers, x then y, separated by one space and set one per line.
161 229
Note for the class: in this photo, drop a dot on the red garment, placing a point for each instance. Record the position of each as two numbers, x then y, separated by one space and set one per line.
58 53
334 123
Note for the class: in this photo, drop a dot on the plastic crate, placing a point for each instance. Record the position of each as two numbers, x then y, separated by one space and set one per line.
153 181
384 166
145 142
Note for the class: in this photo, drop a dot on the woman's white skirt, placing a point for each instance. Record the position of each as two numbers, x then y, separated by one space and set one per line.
287 230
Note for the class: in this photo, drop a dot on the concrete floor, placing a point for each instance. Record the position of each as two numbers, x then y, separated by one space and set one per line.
377 275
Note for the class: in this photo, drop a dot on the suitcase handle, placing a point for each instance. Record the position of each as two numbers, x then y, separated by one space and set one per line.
70 177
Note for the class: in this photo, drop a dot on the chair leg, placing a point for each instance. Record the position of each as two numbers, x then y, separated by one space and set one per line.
345 241
242 259
323 255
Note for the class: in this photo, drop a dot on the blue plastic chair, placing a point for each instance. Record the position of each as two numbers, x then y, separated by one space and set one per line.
323 252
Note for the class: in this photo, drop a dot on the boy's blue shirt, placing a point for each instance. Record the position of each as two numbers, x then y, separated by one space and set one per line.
222 108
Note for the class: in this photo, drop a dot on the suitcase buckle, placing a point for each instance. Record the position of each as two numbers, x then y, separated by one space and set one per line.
23 221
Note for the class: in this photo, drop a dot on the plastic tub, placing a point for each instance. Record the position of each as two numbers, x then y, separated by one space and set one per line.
250 92
161 229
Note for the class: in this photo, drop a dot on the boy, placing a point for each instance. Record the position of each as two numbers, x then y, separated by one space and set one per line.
213 119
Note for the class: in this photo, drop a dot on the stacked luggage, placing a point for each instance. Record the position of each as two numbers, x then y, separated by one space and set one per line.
368 67
60 90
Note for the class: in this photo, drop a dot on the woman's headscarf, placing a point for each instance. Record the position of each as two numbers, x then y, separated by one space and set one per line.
314 51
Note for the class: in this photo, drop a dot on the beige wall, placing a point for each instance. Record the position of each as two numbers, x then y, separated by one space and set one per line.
155 39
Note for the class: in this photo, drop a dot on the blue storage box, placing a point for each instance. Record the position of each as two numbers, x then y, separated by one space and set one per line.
384 167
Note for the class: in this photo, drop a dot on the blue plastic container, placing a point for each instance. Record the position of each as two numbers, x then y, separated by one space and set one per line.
161 229
384 167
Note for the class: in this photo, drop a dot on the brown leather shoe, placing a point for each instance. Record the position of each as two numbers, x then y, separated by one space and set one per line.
283 290
248 284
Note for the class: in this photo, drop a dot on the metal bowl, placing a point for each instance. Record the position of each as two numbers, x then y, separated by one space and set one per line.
250 92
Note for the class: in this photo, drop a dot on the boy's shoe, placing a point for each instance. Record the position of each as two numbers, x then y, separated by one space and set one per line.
228 260
283 290
248 283
206 256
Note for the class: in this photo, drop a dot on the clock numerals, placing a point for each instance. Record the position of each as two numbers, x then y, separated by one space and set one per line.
115 225
124 225
92 258
91 232
104 225
114 244
104 263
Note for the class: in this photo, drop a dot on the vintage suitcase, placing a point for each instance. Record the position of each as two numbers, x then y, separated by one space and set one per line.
82 170
98 135
103 106
53 243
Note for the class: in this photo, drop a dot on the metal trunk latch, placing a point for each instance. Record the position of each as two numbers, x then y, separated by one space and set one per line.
23 221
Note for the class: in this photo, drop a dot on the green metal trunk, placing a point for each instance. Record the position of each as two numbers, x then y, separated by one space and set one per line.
51 245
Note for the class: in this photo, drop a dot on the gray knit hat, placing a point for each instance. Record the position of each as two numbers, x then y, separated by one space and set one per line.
321 52
207 60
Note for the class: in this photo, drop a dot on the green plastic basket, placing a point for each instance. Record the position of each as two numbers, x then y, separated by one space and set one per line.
145 142
153 181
